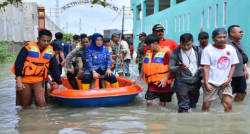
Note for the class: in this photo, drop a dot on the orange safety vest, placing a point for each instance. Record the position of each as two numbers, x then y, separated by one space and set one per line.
36 63
111 52
154 69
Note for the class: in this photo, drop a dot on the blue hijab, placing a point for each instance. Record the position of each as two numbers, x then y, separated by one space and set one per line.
93 45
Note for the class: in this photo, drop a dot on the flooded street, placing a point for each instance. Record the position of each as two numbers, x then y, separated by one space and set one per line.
131 118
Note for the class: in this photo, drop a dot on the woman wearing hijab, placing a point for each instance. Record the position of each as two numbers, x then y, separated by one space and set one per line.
98 63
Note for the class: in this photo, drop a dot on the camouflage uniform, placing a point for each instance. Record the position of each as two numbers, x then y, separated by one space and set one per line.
140 53
115 52
79 56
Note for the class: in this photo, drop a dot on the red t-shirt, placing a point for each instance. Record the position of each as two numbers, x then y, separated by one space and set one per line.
47 78
131 49
155 88
165 42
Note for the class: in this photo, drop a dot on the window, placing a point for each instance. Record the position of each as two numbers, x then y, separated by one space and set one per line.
139 12
175 26
208 17
188 27
216 15
163 24
151 28
183 23
164 4
179 1
150 4
166 26
202 19
225 14
148 29
179 23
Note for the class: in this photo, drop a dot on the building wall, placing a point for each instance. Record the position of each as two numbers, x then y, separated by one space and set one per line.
237 13
19 24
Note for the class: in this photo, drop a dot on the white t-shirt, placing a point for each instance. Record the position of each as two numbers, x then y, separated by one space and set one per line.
220 61
189 59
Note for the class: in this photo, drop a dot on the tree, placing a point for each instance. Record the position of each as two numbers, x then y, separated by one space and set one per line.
103 2
7 2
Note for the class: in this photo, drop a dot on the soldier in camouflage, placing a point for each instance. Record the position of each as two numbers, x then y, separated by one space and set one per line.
76 53
140 50
115 46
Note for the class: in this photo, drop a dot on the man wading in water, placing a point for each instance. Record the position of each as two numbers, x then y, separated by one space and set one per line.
155 69
30 73
219 64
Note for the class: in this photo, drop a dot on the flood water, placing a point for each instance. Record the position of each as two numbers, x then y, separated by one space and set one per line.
135 117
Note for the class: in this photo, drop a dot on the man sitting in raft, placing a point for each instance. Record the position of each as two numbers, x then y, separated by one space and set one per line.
77 71
30 68
155 68
98 62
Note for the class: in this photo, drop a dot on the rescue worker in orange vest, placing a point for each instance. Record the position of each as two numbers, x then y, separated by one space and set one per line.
156 72
31 67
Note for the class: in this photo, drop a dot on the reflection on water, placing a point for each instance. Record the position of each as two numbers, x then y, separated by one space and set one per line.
131 118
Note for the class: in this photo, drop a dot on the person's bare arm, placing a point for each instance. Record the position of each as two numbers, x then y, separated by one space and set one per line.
231 73
209 88
62 57
245 72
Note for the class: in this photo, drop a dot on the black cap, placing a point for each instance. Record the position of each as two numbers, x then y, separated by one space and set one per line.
55 46
158 27
203 34
142 34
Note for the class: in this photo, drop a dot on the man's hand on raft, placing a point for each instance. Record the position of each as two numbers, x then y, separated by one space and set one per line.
61 86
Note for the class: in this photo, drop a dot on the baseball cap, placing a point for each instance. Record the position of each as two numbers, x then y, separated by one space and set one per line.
203 34
219 31
158 27
142 34
55 46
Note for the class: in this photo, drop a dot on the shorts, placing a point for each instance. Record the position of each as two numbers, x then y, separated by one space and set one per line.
24 97
164 97
216 92
239 84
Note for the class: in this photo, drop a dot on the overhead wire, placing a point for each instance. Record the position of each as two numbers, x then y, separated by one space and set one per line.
112 21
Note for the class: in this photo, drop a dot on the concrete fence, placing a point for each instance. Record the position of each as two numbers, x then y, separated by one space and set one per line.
19 25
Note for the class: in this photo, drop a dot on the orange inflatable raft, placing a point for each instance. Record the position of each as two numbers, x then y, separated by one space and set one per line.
126 93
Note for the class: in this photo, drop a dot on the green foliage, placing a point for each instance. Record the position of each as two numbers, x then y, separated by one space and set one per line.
4 45
103 2
4 4
68 35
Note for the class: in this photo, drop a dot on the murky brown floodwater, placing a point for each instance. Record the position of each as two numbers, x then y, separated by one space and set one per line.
131 118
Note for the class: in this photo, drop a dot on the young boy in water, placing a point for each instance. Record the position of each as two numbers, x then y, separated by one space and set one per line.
156 73
219 64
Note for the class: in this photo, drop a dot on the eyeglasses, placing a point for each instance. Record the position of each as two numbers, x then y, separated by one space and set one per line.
241 32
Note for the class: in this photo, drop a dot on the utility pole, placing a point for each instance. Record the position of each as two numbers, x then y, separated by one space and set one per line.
57 13
123 19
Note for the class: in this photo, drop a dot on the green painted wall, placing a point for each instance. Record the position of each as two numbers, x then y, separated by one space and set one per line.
238 13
